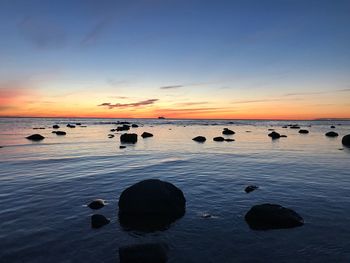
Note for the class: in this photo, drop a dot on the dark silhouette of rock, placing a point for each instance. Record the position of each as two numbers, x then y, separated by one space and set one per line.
250 188
70 126
227 131
97 204
122 147
128 138
303 131
229 140
295 127
151 205
98 221
125 127
35 137
270 129
199 139
274 135
346 140
146 135
78 124
332 127
60 133
110 136
55 126
112 130
332 134
283 136
284 127
134 126
39 128
272 216
144 253
219 139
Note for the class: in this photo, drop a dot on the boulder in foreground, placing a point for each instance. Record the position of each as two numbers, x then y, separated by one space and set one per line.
35 137
346 140
128 138
144 253
332 134
146 135
272 216
199 139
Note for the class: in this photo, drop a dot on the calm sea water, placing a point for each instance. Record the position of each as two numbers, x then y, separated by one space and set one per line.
44 187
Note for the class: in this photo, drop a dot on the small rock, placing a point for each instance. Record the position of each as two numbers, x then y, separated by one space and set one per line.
55 126
227 131
274 135
144 253
250 188
283 136
35 137
303 131
60 133
146 135
206 215
332 134
128 138
346 140
271 129
98 221
219 139
295 127
110 136
70 126
332 127
97 204
229 140
134 126
122 147
199 139
284 127
78 124
125 127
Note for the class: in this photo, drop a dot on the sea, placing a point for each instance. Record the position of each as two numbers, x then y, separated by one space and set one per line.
45 188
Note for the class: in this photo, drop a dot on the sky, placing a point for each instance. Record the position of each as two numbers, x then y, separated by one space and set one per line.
220 59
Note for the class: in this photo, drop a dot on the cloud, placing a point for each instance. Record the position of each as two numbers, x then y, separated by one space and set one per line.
92 36
128 105
316 92
42 33
120 97
171 87
192 103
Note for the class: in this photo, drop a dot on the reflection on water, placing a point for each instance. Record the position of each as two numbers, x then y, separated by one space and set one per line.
46 185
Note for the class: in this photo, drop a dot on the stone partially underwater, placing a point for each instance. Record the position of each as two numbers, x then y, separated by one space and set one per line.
150 205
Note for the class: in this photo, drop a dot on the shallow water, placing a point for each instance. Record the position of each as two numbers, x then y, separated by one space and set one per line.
45 185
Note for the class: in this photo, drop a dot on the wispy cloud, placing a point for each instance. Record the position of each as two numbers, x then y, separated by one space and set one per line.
128 105
192 103
316 92
93 35
171 87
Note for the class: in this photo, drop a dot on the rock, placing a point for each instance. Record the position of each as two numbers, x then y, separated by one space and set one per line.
332 134
70 126
227 131
270 129
332 127
248 131
134 126
128 138
151 205
303 131
97 204
219 139
283 136
272 216
112 130
125 127
274 135
146 135
98 221
346 140
199 139
35 137
110 136
284 127
250 188
55 126
78 124
295 127
122 147
144 253
229 140
61 133
206 215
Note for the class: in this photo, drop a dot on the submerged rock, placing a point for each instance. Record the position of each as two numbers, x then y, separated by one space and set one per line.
304 131
229 140
146 135
97 204
199 139
70 126
274 135
60 133
128 138
151 205
219 139
227 131
98 221
35 137
144 253
332 134
250 188
346 140
55 126
272 216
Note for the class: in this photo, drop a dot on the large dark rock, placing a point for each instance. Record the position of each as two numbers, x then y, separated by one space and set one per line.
219 139
98 221
274 135
55 126
346 140
272 216
303 131
35 137
199 139
125 127
227 131
128 138
144 253
146 135
97 204
151 205
61 133
332 134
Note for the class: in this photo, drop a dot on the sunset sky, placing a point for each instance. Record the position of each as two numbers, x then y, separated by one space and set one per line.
179 59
